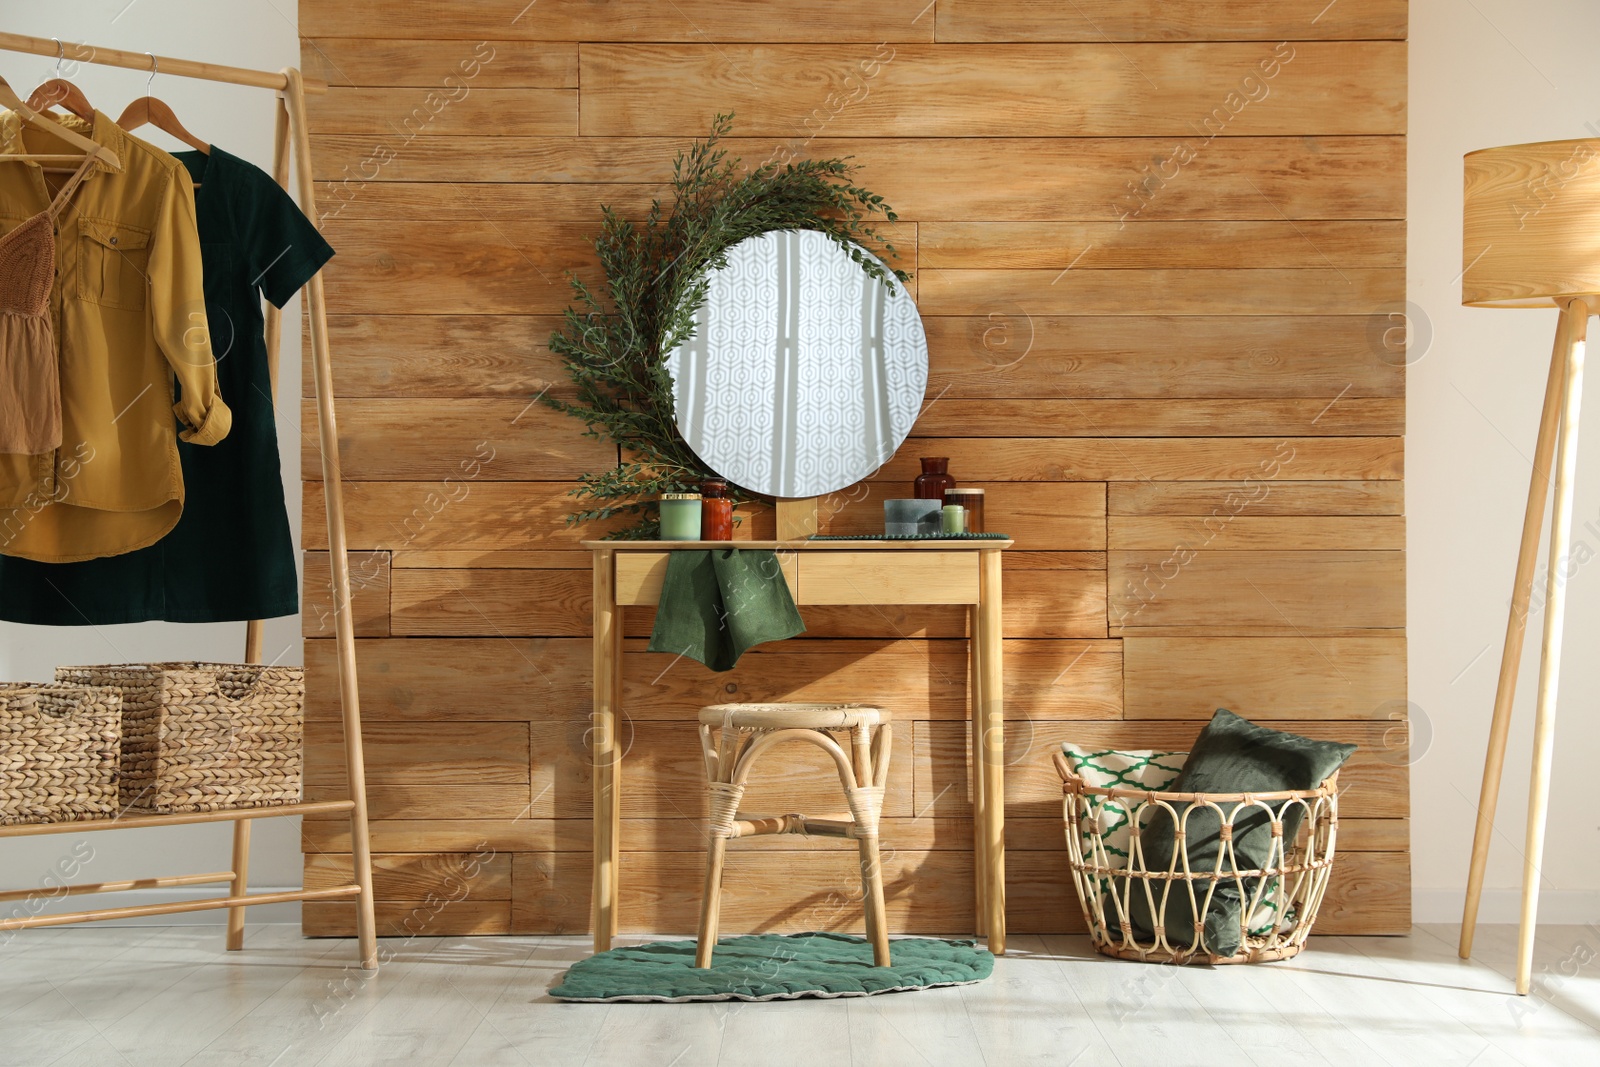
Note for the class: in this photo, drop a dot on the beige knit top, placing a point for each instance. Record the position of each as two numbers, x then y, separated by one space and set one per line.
30 379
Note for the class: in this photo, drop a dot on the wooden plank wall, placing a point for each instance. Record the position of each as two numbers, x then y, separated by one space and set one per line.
1158 248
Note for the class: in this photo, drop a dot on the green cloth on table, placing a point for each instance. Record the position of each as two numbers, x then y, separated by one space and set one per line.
716 603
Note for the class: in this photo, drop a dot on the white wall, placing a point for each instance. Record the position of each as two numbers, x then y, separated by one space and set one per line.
1488 73
247 33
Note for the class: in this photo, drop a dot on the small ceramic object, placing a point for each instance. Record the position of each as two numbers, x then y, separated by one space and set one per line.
955 519
934 479
907 518
680 516
716 511
972 500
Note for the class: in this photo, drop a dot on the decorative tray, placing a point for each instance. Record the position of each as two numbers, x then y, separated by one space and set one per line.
911 537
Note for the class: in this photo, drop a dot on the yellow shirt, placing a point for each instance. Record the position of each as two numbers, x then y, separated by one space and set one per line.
129 316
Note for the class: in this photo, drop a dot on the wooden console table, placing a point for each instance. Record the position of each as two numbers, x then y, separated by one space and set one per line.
628 573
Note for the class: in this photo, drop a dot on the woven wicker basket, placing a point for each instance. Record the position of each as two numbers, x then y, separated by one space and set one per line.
58 752
1288 890
205 736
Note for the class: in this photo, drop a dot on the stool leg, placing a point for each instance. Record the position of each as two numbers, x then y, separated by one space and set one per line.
872 899
710 901
866 820
724 756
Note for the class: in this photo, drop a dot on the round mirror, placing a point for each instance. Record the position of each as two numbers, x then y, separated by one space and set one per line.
804 373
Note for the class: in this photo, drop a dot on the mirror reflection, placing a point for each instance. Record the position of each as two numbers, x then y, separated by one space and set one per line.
804 374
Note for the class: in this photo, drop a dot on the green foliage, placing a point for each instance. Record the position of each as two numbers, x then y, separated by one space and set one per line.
614 343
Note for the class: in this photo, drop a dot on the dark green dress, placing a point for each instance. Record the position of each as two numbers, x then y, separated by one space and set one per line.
231 556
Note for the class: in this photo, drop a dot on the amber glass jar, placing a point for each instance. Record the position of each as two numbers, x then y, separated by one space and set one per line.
716 511
934 479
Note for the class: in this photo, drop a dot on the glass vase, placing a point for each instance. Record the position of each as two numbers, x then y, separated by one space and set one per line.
934 479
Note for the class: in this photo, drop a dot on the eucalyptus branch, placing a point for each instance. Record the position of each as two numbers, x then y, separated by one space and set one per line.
614 341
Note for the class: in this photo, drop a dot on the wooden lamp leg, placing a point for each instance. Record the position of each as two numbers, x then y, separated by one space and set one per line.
1516 628
1577 314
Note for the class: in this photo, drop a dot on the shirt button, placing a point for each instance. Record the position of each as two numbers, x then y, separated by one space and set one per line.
113 240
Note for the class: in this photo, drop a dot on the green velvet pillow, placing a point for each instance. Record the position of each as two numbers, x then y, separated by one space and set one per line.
1231 755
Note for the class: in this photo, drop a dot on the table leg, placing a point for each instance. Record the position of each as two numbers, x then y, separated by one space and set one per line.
991 687
618 718
603 735
980 858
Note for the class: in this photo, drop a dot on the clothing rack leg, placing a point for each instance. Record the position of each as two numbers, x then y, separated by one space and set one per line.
338 548
240 884
254 634
280 174
255 629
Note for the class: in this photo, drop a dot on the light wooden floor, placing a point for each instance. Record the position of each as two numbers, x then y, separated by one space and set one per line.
102 996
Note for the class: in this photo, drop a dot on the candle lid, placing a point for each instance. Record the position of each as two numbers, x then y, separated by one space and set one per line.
963 492
680 496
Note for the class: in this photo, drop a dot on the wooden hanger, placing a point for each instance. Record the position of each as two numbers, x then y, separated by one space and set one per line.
58 92
147 109
54 129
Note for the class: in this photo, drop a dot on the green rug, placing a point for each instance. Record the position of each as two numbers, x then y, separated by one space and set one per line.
772 967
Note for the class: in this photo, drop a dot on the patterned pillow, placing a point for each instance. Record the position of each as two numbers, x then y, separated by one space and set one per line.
1265 917
1107 768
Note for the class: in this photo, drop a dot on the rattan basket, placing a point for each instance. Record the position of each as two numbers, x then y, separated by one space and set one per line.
1287 891
58 752
205 736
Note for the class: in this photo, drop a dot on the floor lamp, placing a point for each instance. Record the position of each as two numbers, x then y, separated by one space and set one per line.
1531 238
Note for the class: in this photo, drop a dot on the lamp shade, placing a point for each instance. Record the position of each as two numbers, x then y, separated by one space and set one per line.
1531 224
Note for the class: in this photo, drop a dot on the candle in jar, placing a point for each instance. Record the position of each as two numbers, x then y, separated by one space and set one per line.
972 500
680 516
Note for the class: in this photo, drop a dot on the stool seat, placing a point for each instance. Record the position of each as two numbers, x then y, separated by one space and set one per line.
733 736
793 716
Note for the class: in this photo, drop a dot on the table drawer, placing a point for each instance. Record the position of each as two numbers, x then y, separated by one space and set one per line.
888 577
640 574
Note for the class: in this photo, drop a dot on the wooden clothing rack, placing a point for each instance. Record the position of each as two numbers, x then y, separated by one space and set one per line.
291 135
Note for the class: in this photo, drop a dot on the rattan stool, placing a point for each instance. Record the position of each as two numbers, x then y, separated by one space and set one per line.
733 735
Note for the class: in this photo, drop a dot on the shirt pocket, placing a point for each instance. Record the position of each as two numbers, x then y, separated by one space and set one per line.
113 263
